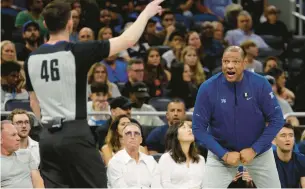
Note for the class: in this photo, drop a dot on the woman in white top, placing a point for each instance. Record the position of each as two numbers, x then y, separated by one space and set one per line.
181 166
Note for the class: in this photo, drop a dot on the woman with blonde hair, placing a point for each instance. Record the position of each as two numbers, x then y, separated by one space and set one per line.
8 51
190 57
98 73
105 33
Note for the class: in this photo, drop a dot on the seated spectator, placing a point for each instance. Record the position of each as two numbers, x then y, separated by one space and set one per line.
31 37
217 8
98 74
251 51
138 50
290 165
33 13
285 107
106 19
10 83
99 96
168 21
273 26
105 33
130 168
114 142
193 39
76 19
176 42
21 119
116 69
156 139
244 32
8 51
181 86
242 179
155 76
75 5
270 62
86 34
302 143
118 106
231 13
181 157
190 57
280 78
150 34
138 95
18 170
135 71
218 31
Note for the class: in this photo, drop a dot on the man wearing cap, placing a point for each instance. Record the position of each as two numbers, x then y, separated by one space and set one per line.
273 26
30 34
118 106
138 95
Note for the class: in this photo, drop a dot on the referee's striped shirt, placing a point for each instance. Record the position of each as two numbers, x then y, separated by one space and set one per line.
58 76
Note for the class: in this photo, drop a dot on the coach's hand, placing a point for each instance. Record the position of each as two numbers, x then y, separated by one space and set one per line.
247 155
232 158
153 8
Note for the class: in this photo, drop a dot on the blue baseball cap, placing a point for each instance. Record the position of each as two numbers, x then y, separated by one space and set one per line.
30 23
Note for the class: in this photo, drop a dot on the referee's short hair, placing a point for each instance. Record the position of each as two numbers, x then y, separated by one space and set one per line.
56 15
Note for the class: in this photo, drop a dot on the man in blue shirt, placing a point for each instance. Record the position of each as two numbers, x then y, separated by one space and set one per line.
230 116
116 69
290 165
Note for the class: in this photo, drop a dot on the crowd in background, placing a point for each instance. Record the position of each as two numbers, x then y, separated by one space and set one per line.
177 52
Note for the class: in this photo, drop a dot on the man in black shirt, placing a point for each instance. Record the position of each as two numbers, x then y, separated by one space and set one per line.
56 76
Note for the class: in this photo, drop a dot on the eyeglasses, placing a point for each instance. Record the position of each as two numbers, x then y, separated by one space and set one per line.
130 134
20 123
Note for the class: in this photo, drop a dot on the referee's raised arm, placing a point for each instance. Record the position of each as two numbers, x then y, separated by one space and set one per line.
134 32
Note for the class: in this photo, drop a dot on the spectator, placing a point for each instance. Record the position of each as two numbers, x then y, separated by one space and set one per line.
105 33
231 13
76 19
185 7
168 21
33 13
242 179
31 37
218 31
244 32
290 165
130 168
156 138
114 142
105 18
182 157
138 95
135 71
251 50
21 120
193 39
86 34
189 56
270 62
181 86
285 107
155 76
10 80
217 8
273 26
116 69
302 143
280 78
150 34
99 96
8 51
75 5
118 106
98 73
176 42
256 9
18 170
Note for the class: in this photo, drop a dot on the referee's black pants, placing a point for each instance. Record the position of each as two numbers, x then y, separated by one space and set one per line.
69 157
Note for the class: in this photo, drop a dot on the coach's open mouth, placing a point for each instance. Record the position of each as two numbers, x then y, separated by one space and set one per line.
230 73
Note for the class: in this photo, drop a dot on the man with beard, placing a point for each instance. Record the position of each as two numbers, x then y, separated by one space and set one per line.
155 141
290 165
31 36
33 13
116 69
138 95
21 120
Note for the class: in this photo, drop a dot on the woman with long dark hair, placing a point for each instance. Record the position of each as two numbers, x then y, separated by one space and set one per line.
181 86
181 166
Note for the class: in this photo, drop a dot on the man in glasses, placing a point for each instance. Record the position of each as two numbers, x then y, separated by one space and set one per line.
21 120
130 167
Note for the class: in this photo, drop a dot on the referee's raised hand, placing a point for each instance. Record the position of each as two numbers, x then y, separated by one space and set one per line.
153 8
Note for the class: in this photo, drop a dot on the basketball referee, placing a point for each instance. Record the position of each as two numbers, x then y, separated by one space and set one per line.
56 76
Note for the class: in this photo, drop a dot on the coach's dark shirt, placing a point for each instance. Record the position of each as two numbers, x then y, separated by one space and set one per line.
58 75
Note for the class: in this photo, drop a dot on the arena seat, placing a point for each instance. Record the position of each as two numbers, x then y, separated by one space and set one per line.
159 103
12 104
273 41
162 49
146 130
